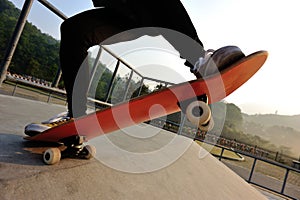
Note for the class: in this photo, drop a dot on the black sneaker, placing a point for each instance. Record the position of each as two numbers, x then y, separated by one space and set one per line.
36 128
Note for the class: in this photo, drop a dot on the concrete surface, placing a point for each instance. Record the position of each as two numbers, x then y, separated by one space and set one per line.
190 174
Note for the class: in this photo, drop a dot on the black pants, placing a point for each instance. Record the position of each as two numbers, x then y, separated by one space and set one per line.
92 27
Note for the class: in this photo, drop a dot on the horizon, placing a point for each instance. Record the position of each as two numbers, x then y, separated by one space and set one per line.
264 29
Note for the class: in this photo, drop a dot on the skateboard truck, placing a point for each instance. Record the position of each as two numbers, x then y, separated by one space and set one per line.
72 148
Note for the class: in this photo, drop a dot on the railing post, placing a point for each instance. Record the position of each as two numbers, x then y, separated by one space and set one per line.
49 97
15 89
141 86
182 122
95 66
127 85
14 40
221 155
284 181
110 87
252 170
57 78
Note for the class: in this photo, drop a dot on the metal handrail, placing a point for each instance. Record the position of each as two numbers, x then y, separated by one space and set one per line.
53 9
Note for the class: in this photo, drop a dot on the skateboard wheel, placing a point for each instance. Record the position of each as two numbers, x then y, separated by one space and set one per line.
198 113
208 126
91 151
51 156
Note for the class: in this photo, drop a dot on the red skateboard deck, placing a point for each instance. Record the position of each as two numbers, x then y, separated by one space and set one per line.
160 103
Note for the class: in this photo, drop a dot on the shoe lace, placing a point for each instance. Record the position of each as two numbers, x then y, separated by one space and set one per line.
57 120
202 60
61 121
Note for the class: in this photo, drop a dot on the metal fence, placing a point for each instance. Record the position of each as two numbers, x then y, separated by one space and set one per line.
19 83
293 193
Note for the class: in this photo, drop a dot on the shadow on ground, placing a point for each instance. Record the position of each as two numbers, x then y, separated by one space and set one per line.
15 150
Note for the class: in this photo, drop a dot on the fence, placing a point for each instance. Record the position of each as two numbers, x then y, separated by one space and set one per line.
39 88
19 86
290 192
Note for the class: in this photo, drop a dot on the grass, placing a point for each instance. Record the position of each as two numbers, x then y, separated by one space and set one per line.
216 151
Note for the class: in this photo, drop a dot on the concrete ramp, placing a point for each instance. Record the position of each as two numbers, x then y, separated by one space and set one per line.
130 164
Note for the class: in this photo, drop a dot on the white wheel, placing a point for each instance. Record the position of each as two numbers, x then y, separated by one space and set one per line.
91 151
198 113
208 126
52 156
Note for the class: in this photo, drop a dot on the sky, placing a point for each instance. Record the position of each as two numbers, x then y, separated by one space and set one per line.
252 25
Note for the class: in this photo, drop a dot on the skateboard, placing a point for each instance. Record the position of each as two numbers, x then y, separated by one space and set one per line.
192 98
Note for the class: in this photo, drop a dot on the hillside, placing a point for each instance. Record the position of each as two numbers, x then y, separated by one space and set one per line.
278 129
36 54
275 120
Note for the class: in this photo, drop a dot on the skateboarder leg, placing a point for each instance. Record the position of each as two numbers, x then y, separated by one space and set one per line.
92 27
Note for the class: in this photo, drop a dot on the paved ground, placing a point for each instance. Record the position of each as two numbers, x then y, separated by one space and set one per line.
137 163
267 181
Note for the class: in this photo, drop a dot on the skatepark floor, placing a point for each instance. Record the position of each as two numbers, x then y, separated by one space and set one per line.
141 162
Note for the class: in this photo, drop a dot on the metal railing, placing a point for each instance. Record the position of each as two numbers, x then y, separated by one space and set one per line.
249 179
34 89
49 91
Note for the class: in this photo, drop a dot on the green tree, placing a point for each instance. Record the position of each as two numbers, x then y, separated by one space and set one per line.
34 48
